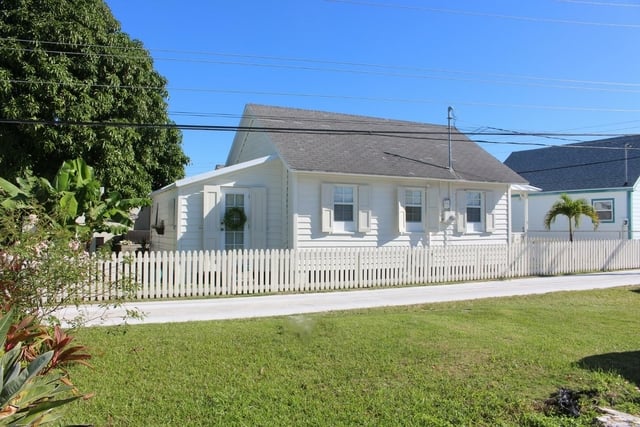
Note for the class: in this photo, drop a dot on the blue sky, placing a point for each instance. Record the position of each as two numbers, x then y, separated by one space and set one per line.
566 66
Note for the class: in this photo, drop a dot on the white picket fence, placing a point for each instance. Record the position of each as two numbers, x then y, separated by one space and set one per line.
201 274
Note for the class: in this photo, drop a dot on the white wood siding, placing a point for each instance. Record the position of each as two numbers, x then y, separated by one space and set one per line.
252 145
190 230
268 176
383 227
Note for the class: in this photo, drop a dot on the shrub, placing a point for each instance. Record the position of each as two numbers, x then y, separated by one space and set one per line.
34 388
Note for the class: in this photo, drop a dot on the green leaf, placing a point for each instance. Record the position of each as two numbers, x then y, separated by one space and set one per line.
16 383
9 188
5 324
69 205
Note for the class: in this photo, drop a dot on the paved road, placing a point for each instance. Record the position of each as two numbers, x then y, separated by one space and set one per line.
281 305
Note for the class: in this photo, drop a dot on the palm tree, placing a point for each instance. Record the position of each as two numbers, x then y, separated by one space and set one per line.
573 210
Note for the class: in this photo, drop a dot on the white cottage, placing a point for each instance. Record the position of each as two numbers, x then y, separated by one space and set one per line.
605 172
308 179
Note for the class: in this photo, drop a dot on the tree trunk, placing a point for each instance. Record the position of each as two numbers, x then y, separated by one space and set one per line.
570 231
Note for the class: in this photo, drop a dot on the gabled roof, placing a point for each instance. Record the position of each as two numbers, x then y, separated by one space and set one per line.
582 166
318 141
214 173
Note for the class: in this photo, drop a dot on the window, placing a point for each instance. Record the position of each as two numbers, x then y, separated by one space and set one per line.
411 209
234 239
604 209
413 205
343 204
345 208
475 211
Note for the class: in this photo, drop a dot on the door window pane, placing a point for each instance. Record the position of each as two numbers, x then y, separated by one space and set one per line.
234 239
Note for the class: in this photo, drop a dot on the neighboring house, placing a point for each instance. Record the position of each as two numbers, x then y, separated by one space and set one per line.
604 172
310 179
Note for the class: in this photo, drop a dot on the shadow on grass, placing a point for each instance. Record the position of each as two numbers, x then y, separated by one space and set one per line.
626 364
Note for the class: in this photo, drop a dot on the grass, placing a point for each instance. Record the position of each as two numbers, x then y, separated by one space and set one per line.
479 363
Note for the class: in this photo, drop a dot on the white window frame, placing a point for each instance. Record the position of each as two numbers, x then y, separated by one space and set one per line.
345 226
361 209
474 226
486 224
229 238
404 225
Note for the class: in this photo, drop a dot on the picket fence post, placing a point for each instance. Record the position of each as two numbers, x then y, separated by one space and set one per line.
210 273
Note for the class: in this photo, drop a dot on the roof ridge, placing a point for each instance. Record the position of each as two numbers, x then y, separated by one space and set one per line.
363 118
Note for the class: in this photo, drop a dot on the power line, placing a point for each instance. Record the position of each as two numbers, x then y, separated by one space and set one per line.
301 130
579 86
570 166
517 133
423 135
486 15
524 133
347 97
599 3
394 71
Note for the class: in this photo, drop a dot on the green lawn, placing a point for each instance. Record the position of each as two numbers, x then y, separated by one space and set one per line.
479 363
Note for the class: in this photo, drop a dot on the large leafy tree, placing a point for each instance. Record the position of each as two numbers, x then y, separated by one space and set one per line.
573 210
67 71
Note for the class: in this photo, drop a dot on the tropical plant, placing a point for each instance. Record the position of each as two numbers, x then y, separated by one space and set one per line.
573 210
36 338
84 207
31 393
44 231
73 84
74 200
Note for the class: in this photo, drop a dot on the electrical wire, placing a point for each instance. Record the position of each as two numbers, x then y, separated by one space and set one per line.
422 135
345 97
302 130
571 166
599 3
394 70
485 14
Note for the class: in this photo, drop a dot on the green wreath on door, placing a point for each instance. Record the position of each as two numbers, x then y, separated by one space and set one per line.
234 219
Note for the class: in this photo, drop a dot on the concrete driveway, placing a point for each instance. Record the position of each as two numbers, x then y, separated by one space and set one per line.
219 308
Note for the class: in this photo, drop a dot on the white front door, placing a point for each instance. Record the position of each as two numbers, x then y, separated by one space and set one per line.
235 237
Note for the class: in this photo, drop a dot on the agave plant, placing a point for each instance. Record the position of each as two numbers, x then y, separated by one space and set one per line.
28 396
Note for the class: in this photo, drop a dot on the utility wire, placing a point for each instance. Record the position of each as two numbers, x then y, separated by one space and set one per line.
329 96
423 135
485 14
570 166
394 70
600 3
580 86
303 130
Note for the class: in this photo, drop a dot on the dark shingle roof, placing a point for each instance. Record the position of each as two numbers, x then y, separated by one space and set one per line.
586 165
373 146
